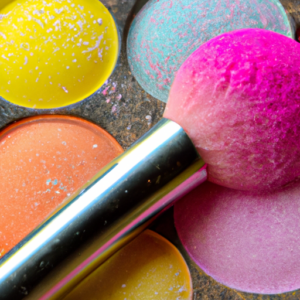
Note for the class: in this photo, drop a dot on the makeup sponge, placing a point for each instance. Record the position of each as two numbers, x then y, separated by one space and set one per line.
165 32
247 241
238 98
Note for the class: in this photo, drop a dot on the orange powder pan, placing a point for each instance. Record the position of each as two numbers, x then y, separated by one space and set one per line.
44 160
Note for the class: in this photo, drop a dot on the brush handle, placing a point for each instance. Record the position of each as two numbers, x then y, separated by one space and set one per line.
115 205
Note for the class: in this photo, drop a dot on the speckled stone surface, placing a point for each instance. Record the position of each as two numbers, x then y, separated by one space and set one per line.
129 118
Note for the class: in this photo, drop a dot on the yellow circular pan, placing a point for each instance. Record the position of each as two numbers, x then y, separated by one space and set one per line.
148 268
55 52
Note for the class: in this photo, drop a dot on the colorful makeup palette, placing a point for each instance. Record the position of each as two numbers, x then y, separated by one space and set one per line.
164 33
44 160
55 53
246 241
149 267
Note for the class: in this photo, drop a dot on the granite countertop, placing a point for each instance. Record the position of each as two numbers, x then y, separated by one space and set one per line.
127 112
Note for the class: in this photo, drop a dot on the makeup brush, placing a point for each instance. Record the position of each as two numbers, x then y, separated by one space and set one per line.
237 102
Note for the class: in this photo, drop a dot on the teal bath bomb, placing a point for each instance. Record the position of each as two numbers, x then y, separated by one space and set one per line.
165 32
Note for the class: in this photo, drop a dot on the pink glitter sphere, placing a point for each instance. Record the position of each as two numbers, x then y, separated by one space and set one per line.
238 98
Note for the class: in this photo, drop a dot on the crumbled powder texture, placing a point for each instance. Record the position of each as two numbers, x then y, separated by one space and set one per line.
245 240
238 98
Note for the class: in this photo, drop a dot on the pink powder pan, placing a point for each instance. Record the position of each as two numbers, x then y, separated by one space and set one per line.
249 242
238 98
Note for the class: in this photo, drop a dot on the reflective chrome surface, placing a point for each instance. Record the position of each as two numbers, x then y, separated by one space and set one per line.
115 205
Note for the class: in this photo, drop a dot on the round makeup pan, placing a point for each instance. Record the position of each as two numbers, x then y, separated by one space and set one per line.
44 160
55 53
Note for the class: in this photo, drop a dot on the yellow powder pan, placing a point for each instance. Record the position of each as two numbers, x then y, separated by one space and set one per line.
55 53
149 267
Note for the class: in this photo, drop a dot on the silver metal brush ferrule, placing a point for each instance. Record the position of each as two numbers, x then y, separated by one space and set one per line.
111 209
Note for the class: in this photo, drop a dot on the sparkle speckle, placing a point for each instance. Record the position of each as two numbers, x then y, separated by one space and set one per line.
65 89
114 109
3 35
58 11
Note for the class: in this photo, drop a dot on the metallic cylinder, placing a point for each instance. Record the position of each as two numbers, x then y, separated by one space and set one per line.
115 205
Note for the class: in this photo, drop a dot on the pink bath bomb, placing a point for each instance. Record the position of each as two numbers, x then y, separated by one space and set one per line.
238 98
248 242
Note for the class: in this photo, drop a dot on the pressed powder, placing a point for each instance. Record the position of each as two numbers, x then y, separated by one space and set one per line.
43 161
149 267
55 53
248 241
